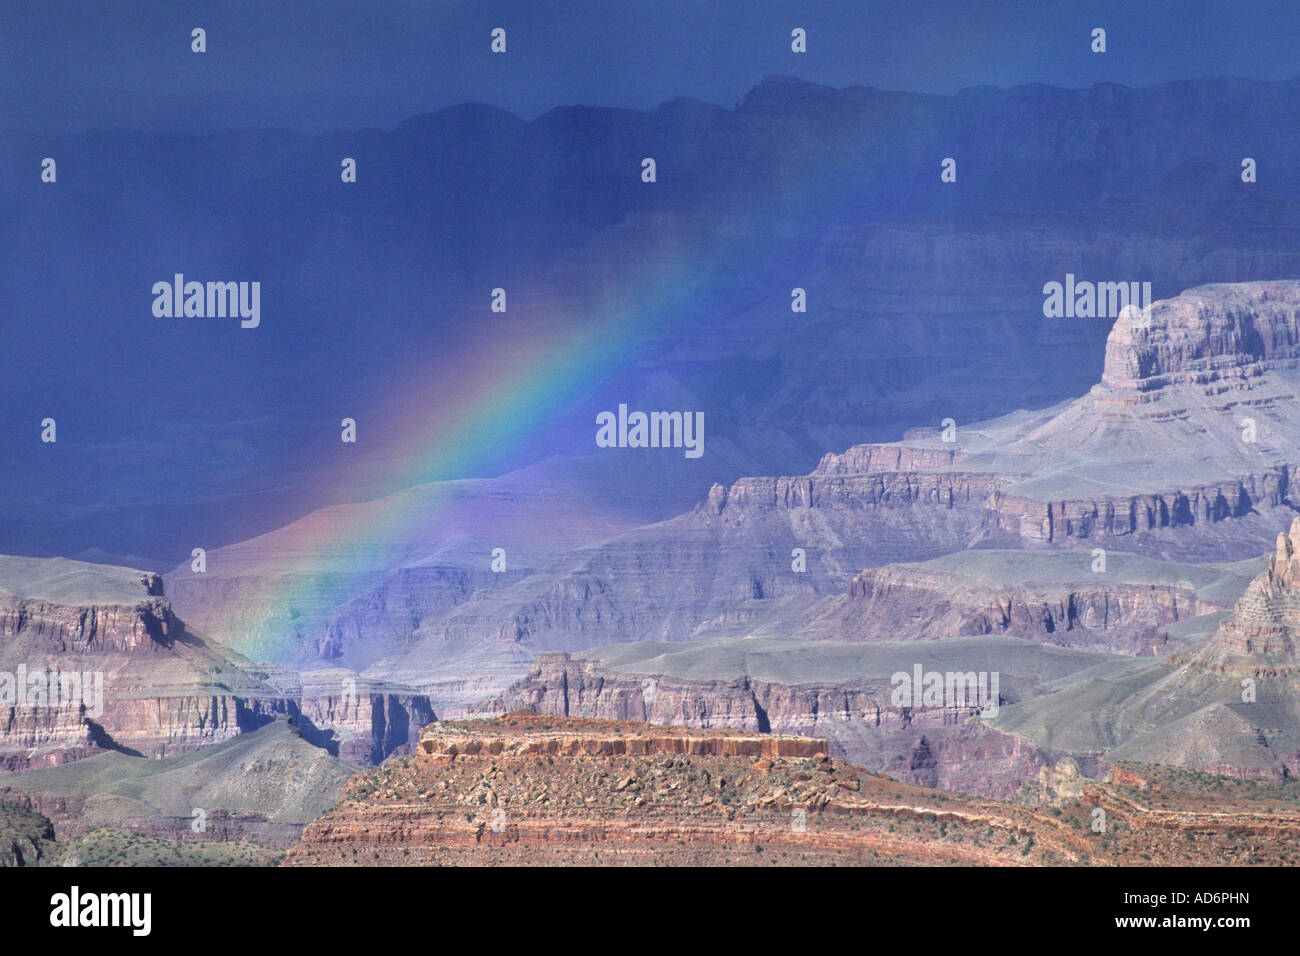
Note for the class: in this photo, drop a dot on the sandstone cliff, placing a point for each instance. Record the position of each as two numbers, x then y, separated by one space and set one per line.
146 685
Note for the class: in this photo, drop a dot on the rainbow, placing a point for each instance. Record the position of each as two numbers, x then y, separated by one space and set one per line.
524 391
489 413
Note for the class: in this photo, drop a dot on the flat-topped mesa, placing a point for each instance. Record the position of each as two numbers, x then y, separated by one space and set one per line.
63 606
527 734
1194 422
1219 337
886 488
138 679
864 459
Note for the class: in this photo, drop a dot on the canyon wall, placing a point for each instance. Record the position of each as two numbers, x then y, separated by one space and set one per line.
118 671
909 602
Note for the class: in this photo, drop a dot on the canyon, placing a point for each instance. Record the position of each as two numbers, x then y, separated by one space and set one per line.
836 691
644 657
1152 463
979 553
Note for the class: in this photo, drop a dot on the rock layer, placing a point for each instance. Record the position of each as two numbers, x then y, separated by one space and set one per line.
614 807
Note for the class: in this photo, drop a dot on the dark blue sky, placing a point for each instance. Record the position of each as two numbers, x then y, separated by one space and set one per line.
315 64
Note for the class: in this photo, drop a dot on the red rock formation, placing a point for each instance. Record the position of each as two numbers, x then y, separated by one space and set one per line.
510 804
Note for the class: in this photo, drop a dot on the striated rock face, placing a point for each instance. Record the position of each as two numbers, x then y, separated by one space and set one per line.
93 659
364 721
750 495
145 627
1258 640
1086 519
130 658
1215 338
864 459
573 685
587 738
917 602
1228 705
1194 423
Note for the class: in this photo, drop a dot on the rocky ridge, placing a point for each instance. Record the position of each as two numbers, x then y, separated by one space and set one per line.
603 804
1128 604
1226 705
261 787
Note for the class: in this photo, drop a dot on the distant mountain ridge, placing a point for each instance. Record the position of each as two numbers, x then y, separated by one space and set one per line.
914 284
